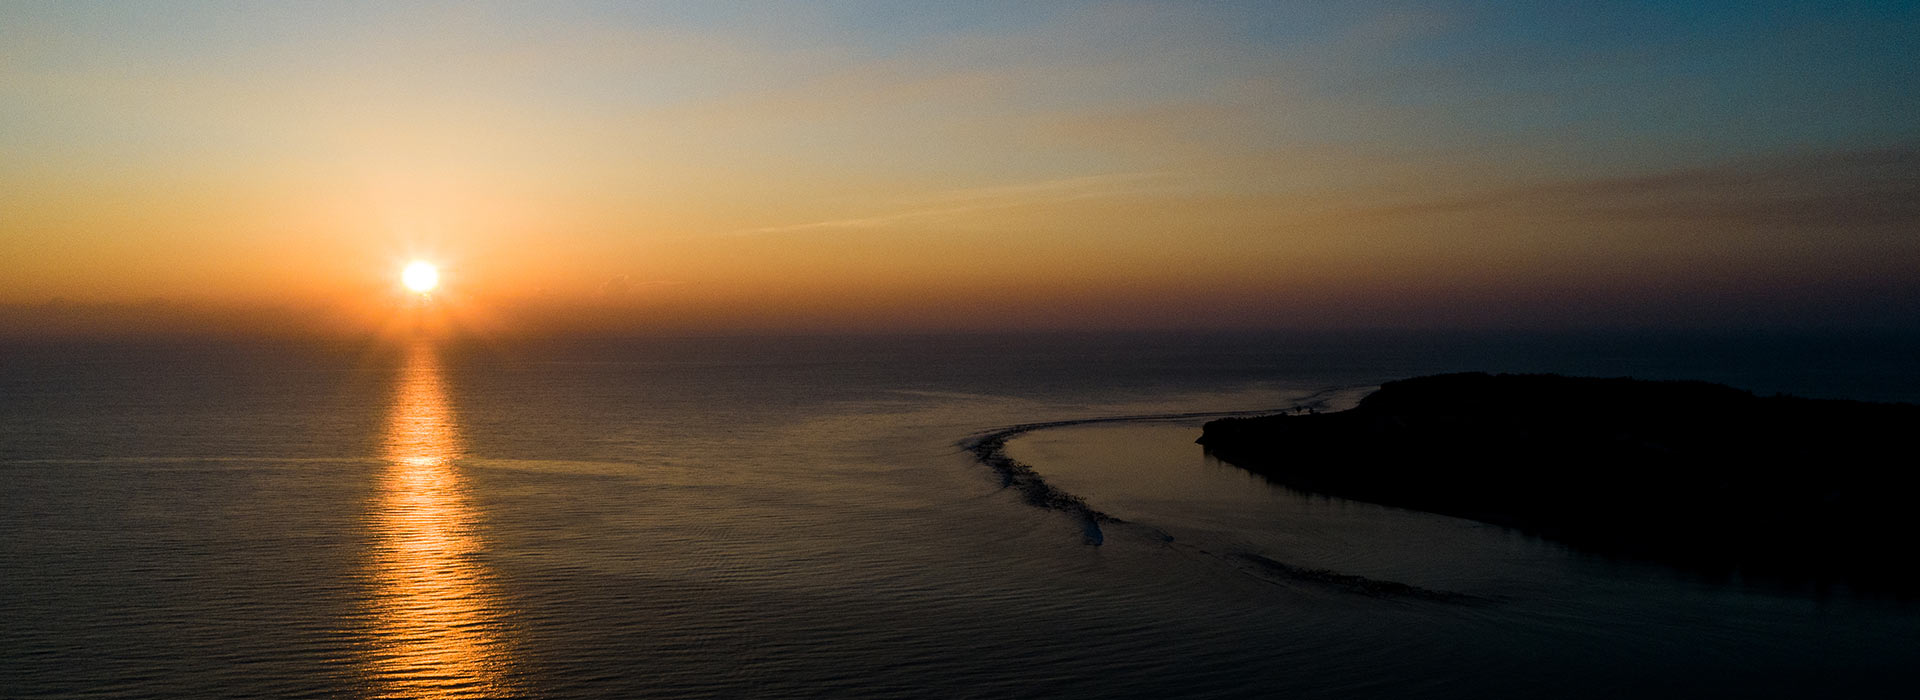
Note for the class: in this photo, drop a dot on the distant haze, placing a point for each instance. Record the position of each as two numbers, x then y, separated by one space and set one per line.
601 168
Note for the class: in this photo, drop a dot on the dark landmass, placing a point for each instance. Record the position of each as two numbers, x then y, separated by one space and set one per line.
1696 474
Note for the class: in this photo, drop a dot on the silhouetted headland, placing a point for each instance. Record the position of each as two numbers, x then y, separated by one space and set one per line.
1692 473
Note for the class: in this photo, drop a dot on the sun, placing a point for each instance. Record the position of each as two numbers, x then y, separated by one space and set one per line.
420 276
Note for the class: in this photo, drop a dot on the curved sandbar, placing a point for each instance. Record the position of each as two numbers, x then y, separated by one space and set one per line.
1692 473
989 448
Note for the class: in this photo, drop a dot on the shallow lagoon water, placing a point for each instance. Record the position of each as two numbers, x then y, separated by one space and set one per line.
795 517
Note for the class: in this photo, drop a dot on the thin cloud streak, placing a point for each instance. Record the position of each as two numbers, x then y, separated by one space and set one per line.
1824 190
967 201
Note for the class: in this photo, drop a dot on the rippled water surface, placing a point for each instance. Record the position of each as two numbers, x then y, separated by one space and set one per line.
795 517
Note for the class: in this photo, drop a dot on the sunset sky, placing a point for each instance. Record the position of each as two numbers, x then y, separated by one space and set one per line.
896 166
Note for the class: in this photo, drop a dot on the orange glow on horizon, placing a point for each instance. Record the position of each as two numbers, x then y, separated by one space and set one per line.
669 170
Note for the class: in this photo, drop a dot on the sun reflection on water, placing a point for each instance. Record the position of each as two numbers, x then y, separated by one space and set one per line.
435 616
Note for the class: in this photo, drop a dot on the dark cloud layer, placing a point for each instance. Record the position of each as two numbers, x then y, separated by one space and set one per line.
1870 190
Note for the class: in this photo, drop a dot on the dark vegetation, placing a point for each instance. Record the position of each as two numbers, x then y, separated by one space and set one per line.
1691 473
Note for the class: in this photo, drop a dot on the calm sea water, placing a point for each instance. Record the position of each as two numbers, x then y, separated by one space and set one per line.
794 517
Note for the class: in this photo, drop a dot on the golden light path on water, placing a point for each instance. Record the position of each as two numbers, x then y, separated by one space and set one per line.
435 617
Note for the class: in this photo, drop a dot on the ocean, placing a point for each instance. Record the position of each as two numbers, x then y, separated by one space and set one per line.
801 517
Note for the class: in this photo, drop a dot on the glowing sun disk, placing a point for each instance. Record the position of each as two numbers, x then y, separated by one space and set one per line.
420 276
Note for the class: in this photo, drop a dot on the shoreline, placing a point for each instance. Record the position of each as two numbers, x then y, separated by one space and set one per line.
989 449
